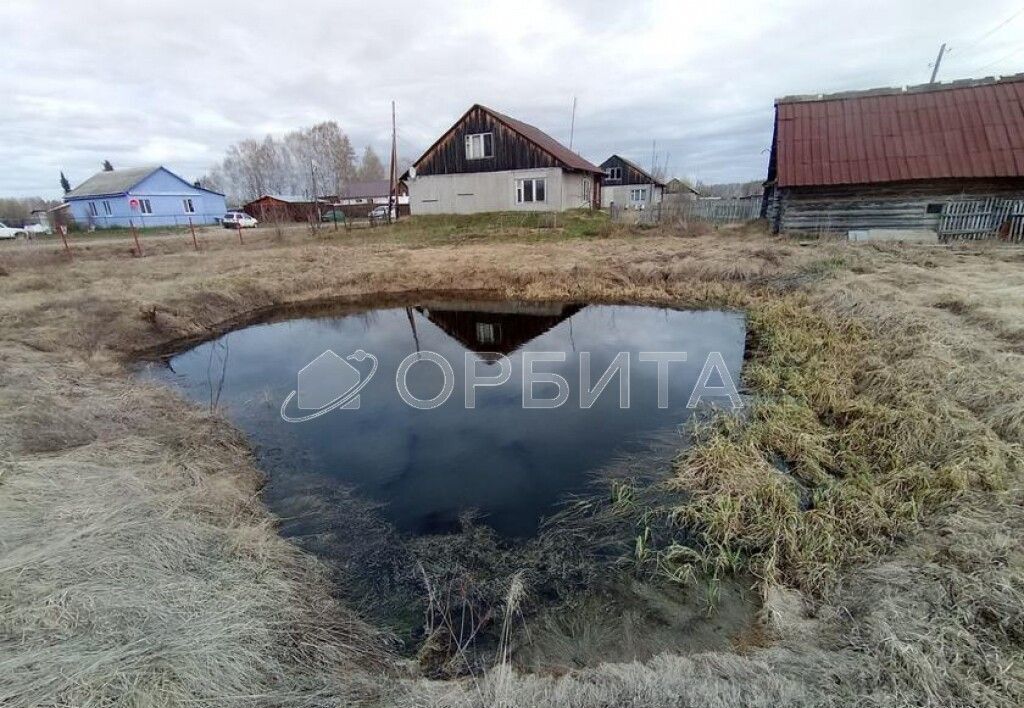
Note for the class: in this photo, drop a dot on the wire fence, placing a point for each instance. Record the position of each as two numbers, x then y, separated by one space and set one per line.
147 221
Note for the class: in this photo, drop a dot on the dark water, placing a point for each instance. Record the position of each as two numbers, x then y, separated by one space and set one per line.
426 467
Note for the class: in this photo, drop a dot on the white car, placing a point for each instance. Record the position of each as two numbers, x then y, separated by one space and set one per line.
380 213
11 232
236 219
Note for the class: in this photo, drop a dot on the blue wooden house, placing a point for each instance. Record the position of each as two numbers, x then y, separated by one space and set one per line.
143 196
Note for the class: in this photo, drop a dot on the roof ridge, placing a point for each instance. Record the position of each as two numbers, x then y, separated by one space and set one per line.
901 90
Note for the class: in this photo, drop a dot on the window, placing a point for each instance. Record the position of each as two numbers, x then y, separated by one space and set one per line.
638 195
145 207
586 190
189 206
92 209
106 208
486 333
530 190
613 173
934 209
479 146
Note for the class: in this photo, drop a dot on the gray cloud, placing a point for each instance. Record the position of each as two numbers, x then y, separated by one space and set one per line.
89 80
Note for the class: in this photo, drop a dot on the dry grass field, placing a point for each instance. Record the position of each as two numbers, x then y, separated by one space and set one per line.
872 492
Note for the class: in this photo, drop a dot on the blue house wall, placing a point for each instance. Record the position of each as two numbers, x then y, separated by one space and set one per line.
166 194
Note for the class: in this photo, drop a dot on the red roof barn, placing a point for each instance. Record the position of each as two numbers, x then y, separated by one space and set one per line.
895 158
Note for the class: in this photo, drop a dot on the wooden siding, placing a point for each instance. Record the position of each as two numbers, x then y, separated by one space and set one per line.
630 175
838 209
511 150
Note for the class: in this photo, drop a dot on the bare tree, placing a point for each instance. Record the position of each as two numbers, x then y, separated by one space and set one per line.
252 168
370 167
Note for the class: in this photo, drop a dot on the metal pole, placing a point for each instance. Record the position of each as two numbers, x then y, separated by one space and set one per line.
572 122
938 60
135 235
192 227
64 237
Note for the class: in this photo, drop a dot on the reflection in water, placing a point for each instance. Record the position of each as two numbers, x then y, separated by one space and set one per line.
494 328
426 468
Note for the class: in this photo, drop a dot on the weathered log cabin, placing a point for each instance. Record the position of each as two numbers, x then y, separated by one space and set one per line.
488 161
629 185
915 158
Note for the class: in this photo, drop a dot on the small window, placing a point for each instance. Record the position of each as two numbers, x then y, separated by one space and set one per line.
586 190
638 195
934 209
479 146
106 208
145 207
92 209
530 190
486 333
189 206
613 173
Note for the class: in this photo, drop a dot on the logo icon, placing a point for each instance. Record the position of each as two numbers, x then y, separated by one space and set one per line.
327 383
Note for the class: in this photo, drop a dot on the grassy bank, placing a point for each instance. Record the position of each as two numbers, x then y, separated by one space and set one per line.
873 490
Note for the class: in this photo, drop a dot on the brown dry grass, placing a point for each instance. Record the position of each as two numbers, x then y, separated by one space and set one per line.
138 566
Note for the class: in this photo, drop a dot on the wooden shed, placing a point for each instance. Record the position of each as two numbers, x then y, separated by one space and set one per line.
916 158
276 207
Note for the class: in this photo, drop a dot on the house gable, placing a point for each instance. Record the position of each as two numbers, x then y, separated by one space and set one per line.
629 173
512 146
163 181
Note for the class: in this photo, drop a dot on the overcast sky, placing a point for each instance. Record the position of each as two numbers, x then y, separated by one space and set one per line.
175 83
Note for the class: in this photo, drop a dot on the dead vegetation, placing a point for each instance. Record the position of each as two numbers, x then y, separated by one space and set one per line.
873 490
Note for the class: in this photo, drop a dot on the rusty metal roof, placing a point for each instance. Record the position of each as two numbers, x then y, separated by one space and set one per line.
960 130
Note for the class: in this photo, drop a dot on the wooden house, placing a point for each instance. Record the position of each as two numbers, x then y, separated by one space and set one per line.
904 159
628 185
488 161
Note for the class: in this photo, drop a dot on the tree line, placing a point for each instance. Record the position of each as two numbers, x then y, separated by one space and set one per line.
318 160
18 212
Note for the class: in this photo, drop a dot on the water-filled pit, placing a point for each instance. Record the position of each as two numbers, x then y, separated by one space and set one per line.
379 458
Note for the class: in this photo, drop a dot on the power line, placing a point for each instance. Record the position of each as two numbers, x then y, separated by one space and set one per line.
1000 59
992 31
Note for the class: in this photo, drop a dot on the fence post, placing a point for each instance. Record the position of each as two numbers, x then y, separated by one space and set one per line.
192 228
238 227
135 236
63 229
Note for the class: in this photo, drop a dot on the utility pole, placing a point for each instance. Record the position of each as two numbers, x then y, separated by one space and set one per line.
572 122
393 172
314 215
938 60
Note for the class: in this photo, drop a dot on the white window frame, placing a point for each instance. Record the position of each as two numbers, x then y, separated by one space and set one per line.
145 207
521 190
188 205
487 333
476 146
614 173
638 195
93 211
587 188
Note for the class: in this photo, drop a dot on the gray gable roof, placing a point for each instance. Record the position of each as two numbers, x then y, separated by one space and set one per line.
114 182
120 181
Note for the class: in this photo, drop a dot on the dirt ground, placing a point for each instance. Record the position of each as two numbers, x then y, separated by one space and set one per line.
138 565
